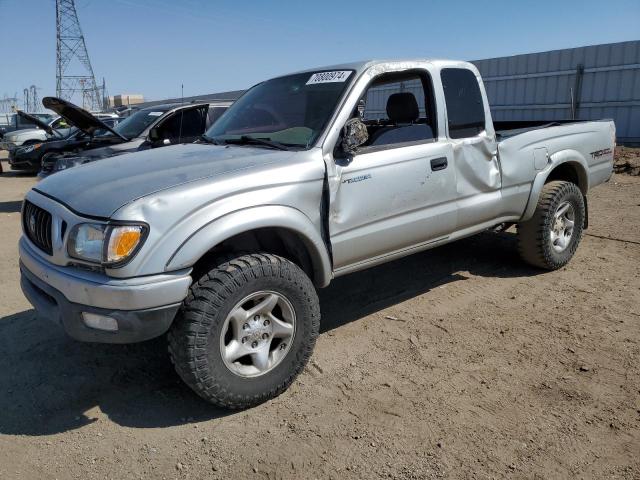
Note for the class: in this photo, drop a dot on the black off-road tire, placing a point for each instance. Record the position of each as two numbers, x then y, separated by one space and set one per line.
534 242
194 338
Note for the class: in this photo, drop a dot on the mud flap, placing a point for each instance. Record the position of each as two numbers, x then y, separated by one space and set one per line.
586 213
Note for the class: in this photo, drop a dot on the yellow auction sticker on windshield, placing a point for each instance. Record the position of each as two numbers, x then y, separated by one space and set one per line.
329 77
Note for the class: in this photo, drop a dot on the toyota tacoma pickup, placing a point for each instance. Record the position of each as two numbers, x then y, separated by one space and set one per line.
221 244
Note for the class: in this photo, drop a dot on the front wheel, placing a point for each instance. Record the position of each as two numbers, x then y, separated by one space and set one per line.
246 330
550 238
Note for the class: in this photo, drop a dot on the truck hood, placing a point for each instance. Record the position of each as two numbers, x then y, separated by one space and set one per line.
78 116
99 189
36 121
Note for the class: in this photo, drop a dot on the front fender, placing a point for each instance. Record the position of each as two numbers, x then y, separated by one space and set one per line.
252 218
573 157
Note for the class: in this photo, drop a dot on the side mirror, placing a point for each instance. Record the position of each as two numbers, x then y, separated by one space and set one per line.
354 134
154 135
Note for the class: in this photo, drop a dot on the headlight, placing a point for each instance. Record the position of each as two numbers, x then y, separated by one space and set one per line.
106 244
63 163
31 148
86 242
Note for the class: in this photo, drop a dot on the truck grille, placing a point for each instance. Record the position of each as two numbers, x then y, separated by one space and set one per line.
36 223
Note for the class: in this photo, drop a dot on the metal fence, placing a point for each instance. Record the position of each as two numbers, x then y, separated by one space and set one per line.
586 83
377 96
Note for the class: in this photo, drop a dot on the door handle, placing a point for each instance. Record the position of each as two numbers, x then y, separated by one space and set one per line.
439 164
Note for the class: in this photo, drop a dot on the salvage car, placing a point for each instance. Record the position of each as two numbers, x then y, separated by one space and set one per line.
10 122
221 244
150 127
30 157
55 128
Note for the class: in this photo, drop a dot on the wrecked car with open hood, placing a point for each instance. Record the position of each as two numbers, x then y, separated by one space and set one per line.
30 157
147 128
45 129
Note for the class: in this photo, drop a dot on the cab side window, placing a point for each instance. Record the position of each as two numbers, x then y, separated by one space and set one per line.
465 110
398 108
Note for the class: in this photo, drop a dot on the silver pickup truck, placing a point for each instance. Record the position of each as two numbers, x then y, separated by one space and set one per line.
221 244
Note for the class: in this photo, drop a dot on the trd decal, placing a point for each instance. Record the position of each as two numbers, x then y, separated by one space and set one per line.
601 153
357 179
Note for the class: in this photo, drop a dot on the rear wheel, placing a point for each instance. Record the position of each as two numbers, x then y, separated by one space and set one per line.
246 330
550 238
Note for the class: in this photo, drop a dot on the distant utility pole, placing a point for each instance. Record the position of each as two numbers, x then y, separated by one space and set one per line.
75 80
105 97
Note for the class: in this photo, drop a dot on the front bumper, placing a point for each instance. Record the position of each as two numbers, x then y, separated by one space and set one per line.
143 307
23 162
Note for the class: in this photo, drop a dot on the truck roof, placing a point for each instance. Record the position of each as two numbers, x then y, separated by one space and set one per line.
365 64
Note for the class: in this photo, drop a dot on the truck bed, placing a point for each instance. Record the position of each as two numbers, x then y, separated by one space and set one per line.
511 128
528 150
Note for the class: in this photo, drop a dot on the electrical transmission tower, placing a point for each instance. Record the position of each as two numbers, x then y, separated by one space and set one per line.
30 99
8 104
75 80
35 103
25 100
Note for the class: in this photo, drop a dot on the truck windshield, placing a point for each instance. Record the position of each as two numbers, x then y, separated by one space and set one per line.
291 110
133 126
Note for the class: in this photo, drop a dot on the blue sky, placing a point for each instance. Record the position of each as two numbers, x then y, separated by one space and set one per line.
152 46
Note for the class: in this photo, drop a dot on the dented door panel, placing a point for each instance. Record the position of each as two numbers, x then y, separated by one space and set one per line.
478 180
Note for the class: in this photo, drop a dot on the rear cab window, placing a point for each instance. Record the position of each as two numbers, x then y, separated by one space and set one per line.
465 108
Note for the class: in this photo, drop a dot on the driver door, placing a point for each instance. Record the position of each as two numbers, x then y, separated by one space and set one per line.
400 194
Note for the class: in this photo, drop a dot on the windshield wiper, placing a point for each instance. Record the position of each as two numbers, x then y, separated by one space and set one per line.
206 139
246 140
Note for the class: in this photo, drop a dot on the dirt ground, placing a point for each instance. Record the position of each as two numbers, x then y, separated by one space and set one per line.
460 362
627 160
